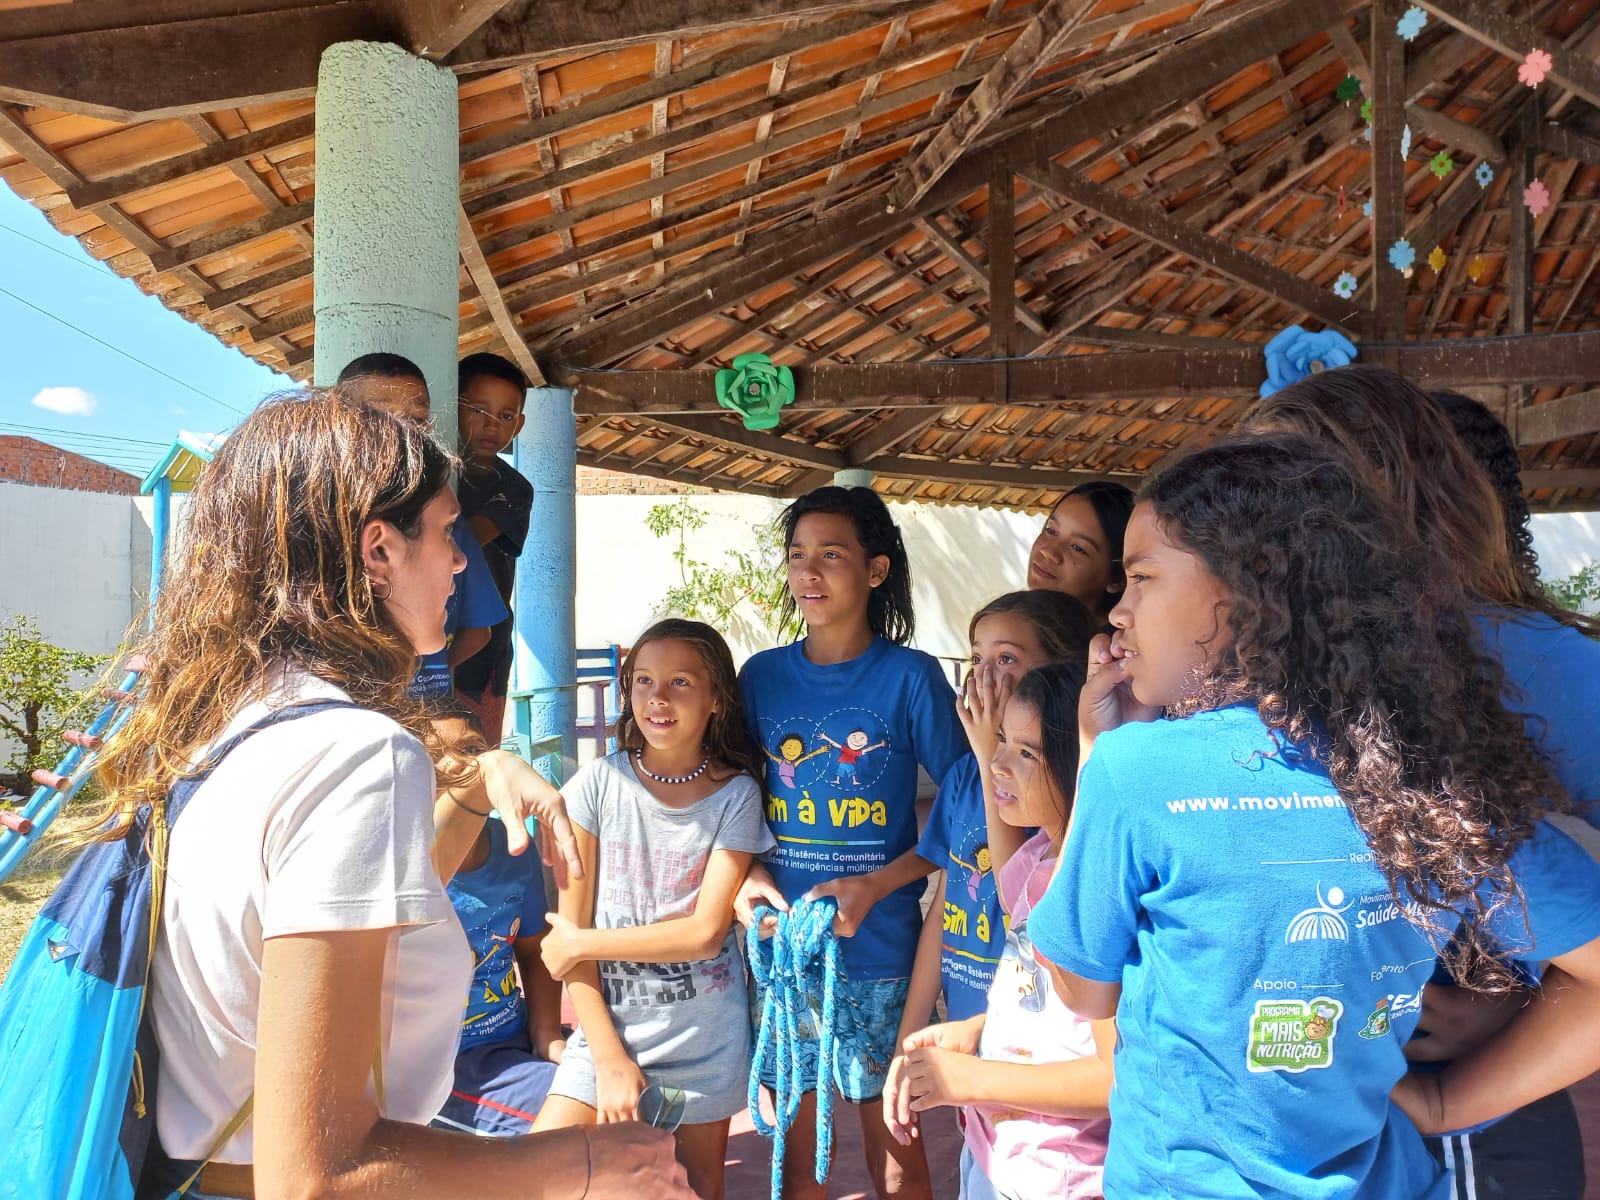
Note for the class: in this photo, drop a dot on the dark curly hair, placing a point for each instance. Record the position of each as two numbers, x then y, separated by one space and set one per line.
727 738
1061 622
1489 442
889 606
1351 648
1053 691
1396 431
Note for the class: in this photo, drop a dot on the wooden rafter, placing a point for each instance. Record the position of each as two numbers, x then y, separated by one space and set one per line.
1388 170
1516 38
1036 45
489 292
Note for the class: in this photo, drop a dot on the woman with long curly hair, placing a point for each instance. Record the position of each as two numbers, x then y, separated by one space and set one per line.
306 944
1257 888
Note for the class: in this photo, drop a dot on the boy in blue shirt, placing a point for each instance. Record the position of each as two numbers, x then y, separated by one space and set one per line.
496 502
395 384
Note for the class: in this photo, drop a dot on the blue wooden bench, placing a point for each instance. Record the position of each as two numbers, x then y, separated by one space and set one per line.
599 673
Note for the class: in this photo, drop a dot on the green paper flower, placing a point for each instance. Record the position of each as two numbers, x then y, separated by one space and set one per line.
756 389
1441 164
1349 88
1366 110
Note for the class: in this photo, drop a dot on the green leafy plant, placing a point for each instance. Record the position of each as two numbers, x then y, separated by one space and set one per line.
714 592
1580 588
37 697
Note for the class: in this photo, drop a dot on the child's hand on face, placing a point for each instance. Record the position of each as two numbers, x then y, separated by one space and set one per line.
1107 700
855 896
561 945
983 701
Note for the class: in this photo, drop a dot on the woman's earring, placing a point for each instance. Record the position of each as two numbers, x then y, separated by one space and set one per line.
371 583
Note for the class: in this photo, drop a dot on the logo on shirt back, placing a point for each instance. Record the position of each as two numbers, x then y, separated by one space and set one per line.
1325 922
1293 1035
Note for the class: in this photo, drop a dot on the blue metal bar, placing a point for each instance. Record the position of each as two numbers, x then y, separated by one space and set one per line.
160 525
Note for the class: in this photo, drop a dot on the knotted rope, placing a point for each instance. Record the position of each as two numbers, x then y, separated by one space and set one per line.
800 960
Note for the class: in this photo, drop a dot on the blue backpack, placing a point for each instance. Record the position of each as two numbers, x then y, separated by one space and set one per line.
78 1058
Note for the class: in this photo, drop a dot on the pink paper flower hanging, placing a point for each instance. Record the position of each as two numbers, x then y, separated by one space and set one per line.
1536 196
1535 67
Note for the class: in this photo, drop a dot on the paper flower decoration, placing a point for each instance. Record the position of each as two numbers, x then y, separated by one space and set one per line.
1410 23
1294 354
1441 164
1536 196
1484 174
1405 142
1476 268
1345 286
1535 67
756 389
1366 110
1349 88
1366 210
1437 259
1401 255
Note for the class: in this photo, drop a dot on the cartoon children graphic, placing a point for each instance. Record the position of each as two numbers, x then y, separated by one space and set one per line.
790 755
976 870
855 746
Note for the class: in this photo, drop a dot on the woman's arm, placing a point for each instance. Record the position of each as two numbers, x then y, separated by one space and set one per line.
618 1080
926 970
1080 1089
676 939
1549 1045
318 1133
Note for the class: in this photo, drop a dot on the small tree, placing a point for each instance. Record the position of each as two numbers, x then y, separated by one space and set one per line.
713 593
37 696
1580 588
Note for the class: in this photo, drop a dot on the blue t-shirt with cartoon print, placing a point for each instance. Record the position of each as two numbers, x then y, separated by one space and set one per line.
957 840
842 744
501 901
474 603
1269 978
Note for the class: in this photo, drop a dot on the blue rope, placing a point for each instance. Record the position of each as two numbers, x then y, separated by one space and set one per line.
800 960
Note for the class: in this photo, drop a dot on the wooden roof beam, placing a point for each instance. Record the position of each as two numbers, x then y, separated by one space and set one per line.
196 65
1388 171
974 270
483 279
1515 38
1156 224
1558 420
434 28
733 433
1038 43
1568 143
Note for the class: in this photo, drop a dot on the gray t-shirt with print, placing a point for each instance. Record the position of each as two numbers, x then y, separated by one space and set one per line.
685 1024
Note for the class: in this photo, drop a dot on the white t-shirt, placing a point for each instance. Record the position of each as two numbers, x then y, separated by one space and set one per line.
322 822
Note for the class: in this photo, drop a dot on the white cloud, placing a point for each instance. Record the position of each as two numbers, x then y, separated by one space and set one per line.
68 401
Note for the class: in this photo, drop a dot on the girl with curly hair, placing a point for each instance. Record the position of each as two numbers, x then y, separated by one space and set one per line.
1258 887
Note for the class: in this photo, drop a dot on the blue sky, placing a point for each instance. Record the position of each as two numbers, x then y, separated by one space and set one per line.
60 386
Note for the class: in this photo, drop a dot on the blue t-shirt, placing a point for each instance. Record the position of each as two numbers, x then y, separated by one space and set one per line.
501 901
474 604
957 840
842 744
1269 979
1553 679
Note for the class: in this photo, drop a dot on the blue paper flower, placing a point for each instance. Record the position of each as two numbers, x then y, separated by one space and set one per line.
1401 255
1345 286
1366 210
1405 142
1294 354
1484 174
1411 22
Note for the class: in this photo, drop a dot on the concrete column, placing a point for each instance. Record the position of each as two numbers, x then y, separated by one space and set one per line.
545 666
160 528
852 477
387 251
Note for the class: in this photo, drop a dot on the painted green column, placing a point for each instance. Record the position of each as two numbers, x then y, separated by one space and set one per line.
387 252
545 609
852 477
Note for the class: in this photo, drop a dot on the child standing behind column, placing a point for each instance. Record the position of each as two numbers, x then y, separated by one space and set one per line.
846 820
666 828
496 502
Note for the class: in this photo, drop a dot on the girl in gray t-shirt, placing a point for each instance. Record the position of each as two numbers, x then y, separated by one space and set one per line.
666 829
